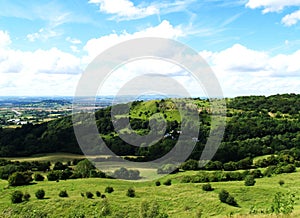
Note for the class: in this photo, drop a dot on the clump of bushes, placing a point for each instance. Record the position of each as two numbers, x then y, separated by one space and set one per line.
38 177
130 192
124 173
20 178
168 168
63 194
16 197
168 182
207 187
226 198
109 189
40 194
89 195
249 180
157 183
190 165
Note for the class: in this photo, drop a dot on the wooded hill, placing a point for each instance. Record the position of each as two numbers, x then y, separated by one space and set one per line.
256 125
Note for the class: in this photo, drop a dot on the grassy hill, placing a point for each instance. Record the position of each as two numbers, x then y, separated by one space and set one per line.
178 200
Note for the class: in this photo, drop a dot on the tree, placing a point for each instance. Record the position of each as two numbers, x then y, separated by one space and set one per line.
84 167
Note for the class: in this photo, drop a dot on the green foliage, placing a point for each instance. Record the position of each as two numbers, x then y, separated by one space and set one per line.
40 194
168 168
16 197
283 203
53 175
157 183
20 178
63 194
130 193
207 187
249 180
38 177
225 197
84 167
109 189
168 182
89 194
190 165
124 173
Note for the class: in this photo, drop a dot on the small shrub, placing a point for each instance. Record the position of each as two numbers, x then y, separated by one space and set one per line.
38 177
223 195
63 194
207 187
249 180
82 194
40 194
231 201
130 193
89 194
109 189
16 197
26 196
168 182
98 194
226 198
281 182
103 196
157 183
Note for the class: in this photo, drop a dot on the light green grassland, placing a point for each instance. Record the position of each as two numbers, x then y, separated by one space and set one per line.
178 200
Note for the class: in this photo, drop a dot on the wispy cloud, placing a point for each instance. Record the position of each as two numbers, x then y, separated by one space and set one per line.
127 10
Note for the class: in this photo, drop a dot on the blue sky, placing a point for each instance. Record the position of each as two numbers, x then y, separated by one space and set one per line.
253 46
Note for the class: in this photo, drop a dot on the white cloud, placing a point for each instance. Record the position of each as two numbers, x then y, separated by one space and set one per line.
272 5
164 30
291 19
126 10
243 71
4 39
43 34
73 40
278 6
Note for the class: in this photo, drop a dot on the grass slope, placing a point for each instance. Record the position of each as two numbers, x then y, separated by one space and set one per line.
178 200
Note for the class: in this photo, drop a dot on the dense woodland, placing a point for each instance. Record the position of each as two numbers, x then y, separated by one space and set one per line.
256 125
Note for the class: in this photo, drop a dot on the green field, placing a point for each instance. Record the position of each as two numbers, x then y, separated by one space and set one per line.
177 200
